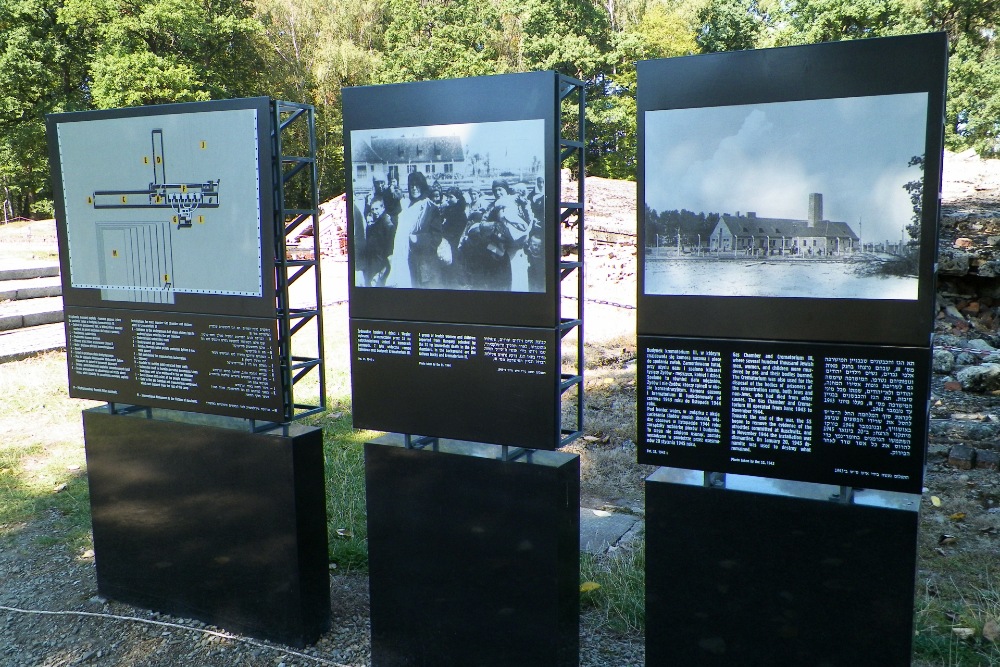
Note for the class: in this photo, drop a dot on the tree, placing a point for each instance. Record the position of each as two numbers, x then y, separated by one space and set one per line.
160 51
434 40
973 105
811 21
73 55
42 70
915 189
729 25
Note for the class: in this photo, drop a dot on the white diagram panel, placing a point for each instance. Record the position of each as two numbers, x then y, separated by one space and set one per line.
163 204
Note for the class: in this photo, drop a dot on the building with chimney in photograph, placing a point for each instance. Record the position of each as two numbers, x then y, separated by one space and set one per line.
750 234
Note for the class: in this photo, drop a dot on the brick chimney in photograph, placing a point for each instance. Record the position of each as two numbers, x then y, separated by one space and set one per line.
815 208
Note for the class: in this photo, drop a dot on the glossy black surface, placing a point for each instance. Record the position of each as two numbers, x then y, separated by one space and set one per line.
854 68
746 579
231 365
858 457
473 561
221 525
479 398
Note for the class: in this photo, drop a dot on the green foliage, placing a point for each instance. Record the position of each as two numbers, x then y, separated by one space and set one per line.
435 40
63 55
973 106
811 21
41 71
729 25
132 79
667 32
160 51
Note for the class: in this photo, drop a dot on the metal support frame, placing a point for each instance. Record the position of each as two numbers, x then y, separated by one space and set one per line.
571 214
296 205
420 441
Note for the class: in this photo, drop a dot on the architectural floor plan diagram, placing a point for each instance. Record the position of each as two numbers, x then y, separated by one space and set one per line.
163 204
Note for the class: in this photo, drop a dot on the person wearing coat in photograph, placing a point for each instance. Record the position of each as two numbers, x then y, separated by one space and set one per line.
487 247
426 257
378 244
454 222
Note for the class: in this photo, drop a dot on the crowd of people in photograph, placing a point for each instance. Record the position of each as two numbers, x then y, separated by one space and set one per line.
435 237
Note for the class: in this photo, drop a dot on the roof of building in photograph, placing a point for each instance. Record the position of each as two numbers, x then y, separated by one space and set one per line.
752 225
407 150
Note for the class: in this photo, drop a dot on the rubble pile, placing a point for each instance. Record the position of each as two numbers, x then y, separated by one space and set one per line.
965 402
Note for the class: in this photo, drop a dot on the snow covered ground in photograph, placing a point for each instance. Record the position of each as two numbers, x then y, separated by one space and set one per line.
816 279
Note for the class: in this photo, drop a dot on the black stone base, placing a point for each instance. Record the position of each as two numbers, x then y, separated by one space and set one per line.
739 579
221 525
473 561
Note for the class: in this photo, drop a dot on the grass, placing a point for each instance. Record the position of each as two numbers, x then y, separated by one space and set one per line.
346 516
621 574
28 240
42 466
950 605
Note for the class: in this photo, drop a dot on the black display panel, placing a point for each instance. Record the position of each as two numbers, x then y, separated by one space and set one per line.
221 365
166 208
465 382
849 415
452 200
792 193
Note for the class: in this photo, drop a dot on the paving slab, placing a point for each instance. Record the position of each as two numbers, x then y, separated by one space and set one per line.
22 270
30 288
21 343
600 529
30 312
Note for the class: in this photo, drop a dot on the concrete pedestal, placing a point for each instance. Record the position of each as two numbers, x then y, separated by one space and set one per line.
221 525
473 561
770 573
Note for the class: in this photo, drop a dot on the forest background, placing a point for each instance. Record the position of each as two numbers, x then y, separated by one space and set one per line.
74 55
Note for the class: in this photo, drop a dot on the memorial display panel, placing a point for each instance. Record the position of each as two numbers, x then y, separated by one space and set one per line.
792 191
165 219
167 207
479 383
849 415
221 365
452 201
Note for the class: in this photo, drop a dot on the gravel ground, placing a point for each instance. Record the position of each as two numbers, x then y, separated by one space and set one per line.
51 616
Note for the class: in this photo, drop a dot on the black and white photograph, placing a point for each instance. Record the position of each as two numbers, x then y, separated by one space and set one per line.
450 207
808 198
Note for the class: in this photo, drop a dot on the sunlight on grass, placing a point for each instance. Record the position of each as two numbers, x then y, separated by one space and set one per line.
42 461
